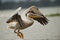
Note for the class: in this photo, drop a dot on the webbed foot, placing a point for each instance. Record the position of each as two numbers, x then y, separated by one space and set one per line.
20 35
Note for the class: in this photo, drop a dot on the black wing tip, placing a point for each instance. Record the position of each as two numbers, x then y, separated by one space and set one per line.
43 21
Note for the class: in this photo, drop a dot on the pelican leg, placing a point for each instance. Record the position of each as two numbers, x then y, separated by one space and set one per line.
20 34
18 30
15 30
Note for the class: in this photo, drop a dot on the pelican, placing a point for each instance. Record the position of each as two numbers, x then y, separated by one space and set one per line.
19 22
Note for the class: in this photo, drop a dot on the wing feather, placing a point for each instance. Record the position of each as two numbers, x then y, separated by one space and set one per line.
20 21
42 21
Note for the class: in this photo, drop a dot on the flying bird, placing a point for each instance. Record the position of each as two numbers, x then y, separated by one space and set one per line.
26 19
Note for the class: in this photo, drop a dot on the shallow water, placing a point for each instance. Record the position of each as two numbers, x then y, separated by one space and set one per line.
51 31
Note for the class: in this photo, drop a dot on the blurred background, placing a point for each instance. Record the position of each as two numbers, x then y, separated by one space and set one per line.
50 8
12 4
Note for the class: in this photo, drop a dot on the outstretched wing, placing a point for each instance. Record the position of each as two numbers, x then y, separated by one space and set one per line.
16 17
37 15
42 20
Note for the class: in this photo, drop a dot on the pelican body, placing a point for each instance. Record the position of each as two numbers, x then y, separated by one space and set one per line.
30 14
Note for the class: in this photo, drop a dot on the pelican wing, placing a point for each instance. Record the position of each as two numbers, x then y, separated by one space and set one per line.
20 21
16 17
42 20
37 15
